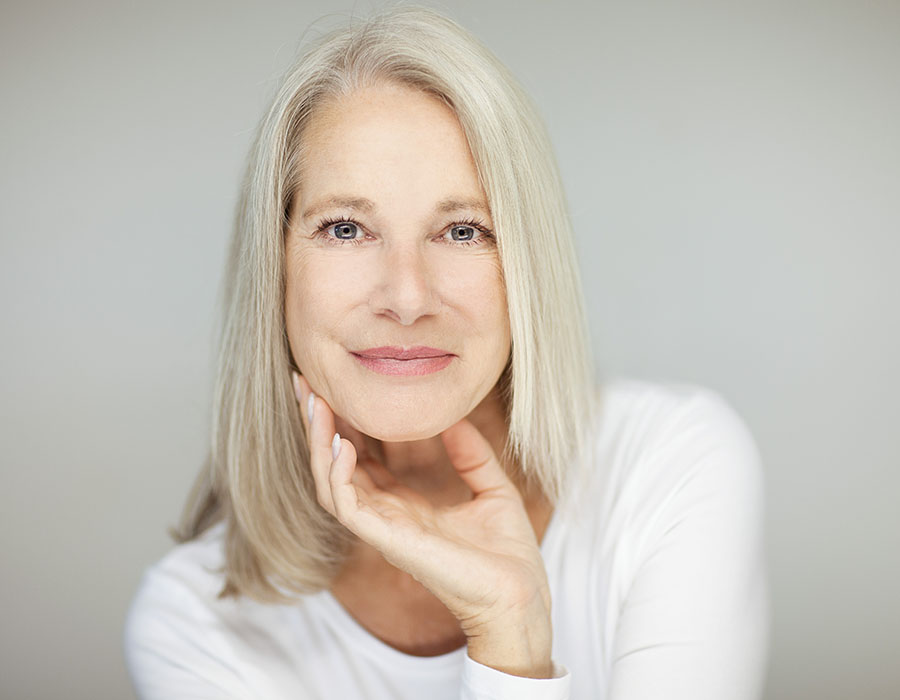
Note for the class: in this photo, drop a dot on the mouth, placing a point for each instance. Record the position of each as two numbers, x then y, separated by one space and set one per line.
397 352
398 361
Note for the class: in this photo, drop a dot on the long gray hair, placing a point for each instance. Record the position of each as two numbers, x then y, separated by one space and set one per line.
279 541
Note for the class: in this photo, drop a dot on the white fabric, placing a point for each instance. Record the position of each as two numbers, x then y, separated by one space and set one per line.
656 570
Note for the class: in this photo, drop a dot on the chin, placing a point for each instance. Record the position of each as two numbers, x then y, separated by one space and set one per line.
403 429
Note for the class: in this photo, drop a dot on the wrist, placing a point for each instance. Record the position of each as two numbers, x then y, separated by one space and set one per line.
520 646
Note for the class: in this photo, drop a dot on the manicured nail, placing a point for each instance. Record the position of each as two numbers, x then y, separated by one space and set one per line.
310 405
336 446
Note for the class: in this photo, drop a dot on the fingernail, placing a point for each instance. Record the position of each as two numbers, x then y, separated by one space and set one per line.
297 392
310 405
336 446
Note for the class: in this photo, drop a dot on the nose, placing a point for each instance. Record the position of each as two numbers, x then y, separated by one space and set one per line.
405 288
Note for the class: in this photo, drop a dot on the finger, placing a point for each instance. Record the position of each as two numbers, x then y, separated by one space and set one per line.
365 457
362 479
353 491
320 432
356 437
306 399
302 391
474 460
380 475
340 480
361 476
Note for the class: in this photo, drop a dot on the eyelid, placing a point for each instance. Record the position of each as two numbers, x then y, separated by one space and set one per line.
472 221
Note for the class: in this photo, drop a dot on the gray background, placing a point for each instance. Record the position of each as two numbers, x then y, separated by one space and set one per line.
732 170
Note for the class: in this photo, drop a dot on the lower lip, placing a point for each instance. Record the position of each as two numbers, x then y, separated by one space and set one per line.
407 368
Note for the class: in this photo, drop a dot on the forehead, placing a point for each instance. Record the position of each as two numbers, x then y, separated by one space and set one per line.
383 140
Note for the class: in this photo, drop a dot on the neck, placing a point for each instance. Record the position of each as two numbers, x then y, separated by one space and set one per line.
424 465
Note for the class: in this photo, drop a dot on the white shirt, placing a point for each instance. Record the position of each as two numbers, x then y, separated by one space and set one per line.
656 570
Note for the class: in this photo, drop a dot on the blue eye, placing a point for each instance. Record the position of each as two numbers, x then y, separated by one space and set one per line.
345 231
468 232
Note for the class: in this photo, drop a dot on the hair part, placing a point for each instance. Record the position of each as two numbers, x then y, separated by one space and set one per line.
279 540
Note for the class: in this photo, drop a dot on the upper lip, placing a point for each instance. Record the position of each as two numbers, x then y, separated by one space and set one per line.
396 352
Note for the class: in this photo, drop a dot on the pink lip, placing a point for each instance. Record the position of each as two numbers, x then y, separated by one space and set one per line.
395 352
394 360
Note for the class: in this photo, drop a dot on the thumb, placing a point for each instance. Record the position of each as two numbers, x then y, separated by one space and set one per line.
473 458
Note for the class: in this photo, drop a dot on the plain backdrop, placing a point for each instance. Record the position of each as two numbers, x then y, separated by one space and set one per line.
732 171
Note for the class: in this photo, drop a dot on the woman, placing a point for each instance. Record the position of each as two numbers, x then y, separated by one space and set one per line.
414 489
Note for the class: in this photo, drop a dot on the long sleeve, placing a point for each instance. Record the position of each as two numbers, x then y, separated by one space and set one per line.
480 682
694 625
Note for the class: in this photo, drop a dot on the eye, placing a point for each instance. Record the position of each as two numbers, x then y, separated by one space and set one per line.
470 232
344 230
463 233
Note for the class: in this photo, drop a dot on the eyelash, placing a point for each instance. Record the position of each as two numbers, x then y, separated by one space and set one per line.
325 224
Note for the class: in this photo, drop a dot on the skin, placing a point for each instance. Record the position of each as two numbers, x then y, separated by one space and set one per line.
416 478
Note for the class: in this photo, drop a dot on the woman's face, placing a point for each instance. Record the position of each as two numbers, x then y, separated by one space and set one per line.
389 244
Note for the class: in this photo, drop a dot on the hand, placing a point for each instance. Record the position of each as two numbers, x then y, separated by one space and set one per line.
480 558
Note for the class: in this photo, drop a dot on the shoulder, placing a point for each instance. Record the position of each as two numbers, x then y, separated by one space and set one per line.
194 569
188 578
656 407
173 629
655 440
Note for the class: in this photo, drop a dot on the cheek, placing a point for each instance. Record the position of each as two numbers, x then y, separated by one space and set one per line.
317 283
497 309
308 305
482 285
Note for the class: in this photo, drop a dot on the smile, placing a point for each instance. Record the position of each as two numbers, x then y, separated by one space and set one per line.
416 366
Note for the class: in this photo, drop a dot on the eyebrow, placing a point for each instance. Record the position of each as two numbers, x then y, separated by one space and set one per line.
451 205
367 205
357 203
